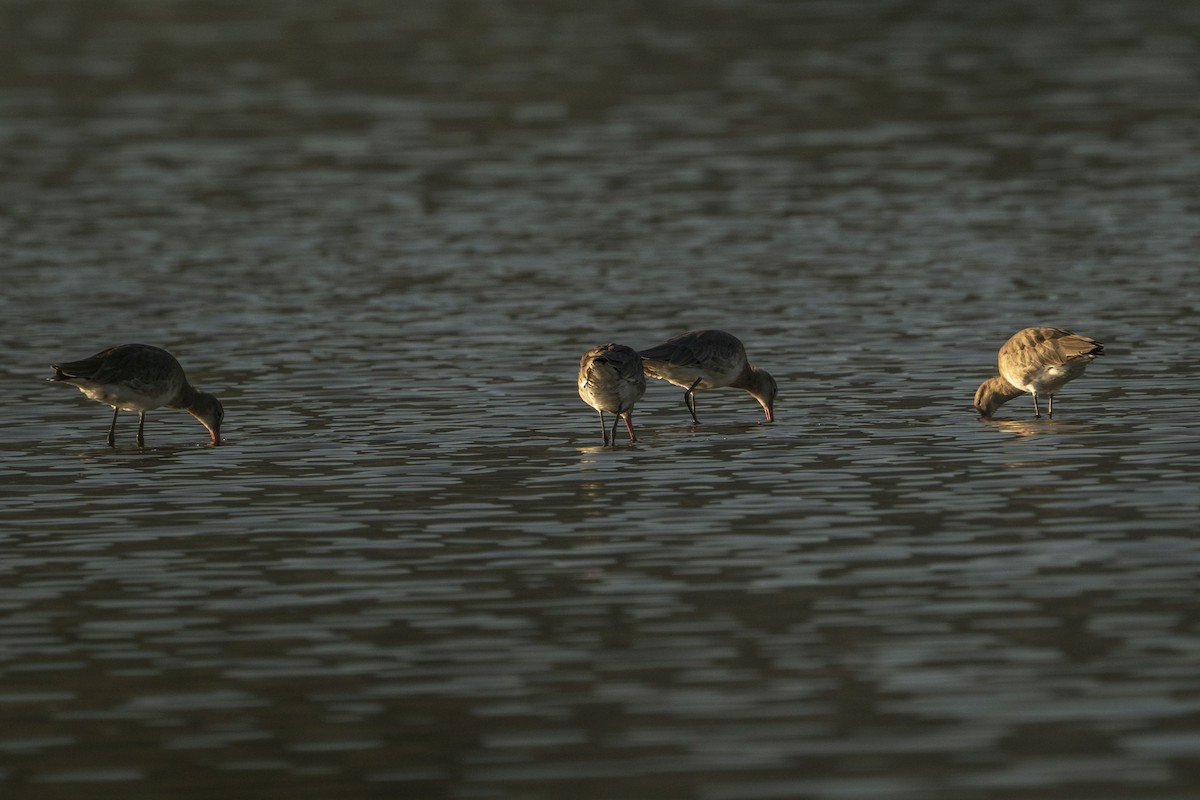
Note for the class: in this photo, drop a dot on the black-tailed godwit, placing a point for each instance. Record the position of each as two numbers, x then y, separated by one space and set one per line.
700 360
1036 361
611 379
138 377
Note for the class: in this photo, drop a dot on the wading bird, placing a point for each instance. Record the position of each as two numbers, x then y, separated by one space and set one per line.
701 360
138 377
1036 361
611 379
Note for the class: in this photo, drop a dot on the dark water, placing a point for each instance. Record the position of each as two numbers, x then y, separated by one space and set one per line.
384 233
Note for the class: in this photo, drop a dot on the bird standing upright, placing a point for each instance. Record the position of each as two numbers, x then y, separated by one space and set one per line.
700 360
1036 361
139 377
611 379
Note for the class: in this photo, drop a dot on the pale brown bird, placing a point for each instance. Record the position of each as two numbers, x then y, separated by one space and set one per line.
138 377
611 379
700 360
1036 361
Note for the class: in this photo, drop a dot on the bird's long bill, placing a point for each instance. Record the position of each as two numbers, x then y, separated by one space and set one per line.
215 434
770 413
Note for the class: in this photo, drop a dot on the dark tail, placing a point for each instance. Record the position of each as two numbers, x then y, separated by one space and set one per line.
85 368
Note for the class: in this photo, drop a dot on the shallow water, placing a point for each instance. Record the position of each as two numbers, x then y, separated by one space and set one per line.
384 238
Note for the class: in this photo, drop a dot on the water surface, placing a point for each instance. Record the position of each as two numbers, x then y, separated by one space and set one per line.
384 236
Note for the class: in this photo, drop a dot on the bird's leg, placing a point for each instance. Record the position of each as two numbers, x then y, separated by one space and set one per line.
112 429
141 425
1050 409
689 399
616 421
603 429
1036 411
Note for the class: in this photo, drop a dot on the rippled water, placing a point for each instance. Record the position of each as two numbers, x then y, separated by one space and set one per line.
384 234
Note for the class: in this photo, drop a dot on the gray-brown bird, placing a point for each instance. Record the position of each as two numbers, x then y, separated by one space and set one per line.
139 377
700 360
611 379
1036 361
